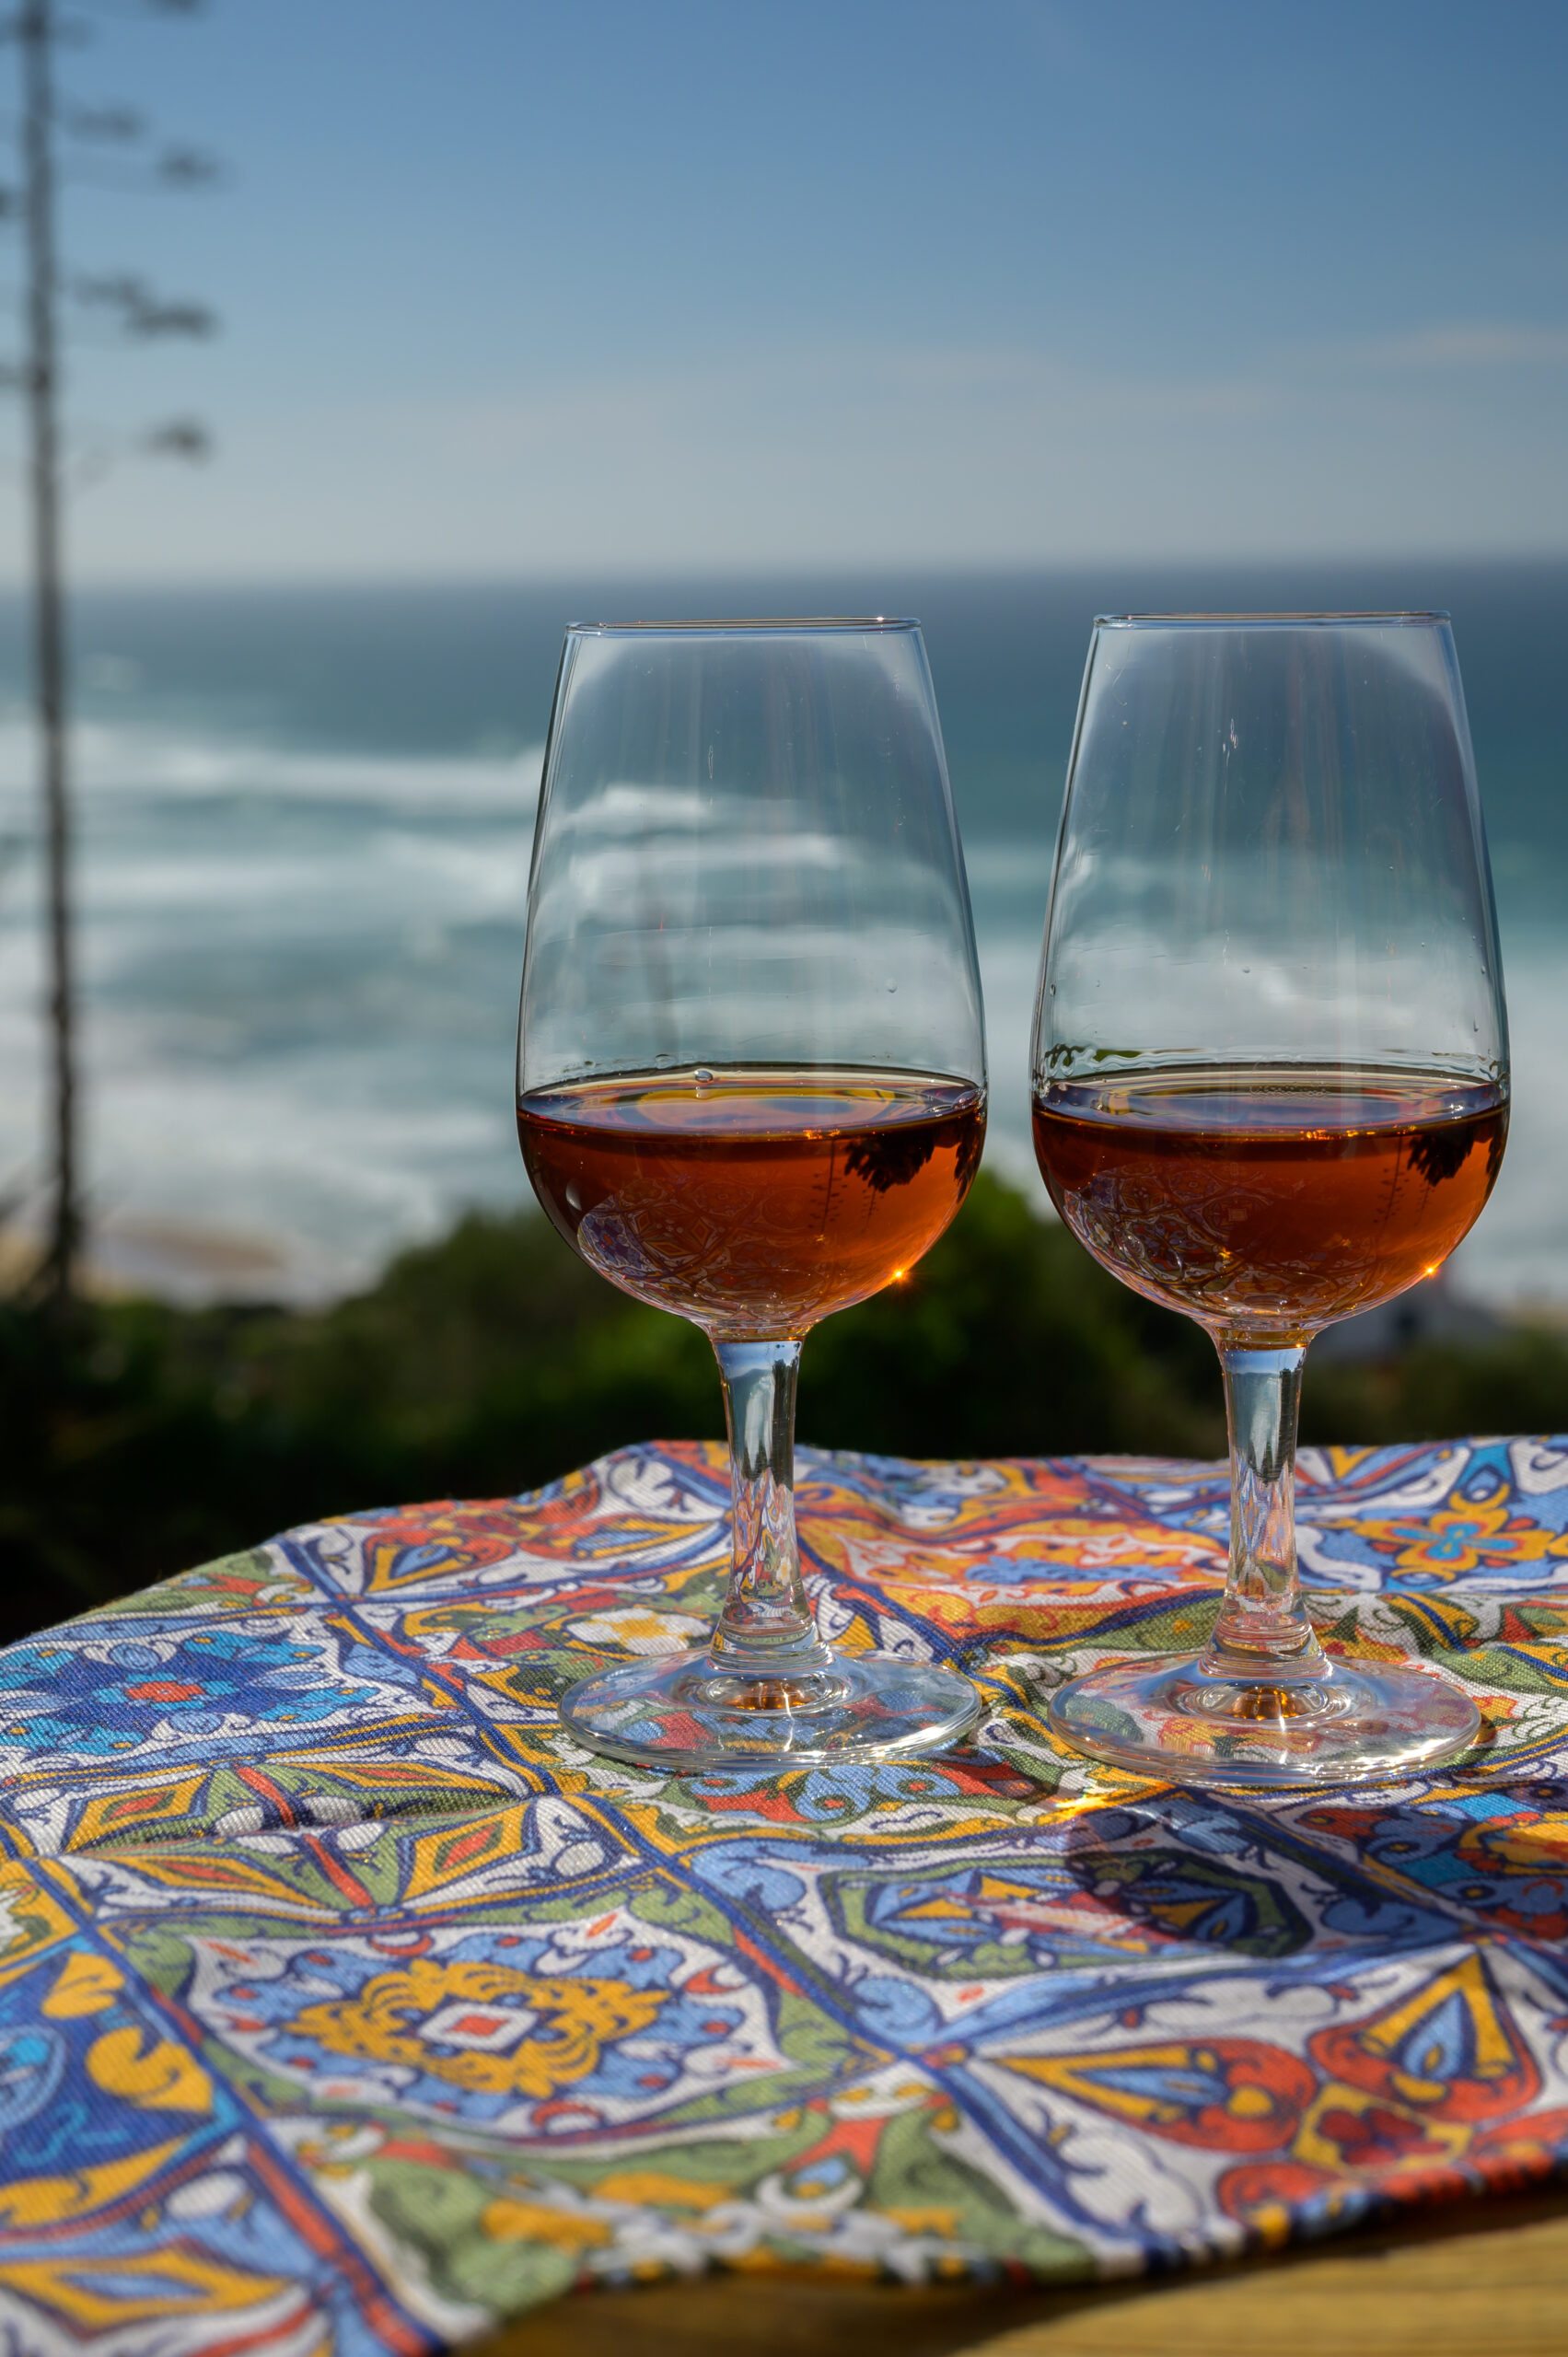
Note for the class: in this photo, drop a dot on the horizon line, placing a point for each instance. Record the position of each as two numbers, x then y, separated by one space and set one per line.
383 579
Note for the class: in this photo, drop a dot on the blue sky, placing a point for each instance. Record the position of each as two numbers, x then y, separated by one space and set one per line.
512 288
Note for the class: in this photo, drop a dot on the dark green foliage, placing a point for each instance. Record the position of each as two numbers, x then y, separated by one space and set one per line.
1007 1340
1518 1383
142 1438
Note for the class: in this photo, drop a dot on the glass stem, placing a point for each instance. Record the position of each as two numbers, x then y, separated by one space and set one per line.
1262 1628
766 1627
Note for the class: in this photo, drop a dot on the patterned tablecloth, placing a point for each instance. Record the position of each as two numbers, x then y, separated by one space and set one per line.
346 2006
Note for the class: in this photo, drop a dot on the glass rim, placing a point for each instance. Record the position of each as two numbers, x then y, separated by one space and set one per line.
1203 621
753 621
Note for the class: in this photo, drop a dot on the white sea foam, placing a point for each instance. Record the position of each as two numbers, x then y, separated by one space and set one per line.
1516 1256
139 756
298 976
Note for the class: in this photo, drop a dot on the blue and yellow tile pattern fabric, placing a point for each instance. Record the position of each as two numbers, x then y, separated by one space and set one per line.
347 2007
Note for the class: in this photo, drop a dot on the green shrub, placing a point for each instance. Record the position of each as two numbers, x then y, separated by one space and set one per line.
1518 1383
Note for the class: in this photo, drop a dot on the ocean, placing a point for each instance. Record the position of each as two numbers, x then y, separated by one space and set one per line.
305 819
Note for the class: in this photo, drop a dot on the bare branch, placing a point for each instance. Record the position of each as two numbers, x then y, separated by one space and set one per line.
179 438
173 319
118 124
122 291
125 10
141 313
188 168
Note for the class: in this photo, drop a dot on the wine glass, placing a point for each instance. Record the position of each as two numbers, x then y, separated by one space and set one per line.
1270 1089
751 1088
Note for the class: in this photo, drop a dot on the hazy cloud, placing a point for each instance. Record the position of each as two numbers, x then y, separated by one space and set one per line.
1475 344
1442 438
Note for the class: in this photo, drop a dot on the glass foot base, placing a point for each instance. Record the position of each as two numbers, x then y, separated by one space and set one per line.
680 1711
1330 1724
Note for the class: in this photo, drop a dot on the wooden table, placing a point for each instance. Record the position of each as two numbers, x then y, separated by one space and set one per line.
1488 2279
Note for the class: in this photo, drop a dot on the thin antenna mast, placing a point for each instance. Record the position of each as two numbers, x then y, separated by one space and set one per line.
35 31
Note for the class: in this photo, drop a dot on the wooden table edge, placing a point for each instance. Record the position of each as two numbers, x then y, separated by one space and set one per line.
1489 2273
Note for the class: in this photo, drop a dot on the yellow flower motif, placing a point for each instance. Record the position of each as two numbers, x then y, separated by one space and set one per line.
49 2201
485 2027
89 1984
1469 1536
160 2077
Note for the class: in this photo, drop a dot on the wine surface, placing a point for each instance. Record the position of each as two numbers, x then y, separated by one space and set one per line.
1268 1202
753 1202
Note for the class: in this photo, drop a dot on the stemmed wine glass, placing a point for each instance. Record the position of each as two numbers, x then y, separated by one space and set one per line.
1270 1089
751 1088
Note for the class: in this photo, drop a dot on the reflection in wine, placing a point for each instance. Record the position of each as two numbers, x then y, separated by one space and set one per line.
1267 1202
753 1202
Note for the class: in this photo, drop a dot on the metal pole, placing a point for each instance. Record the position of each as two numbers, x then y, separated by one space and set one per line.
36 31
